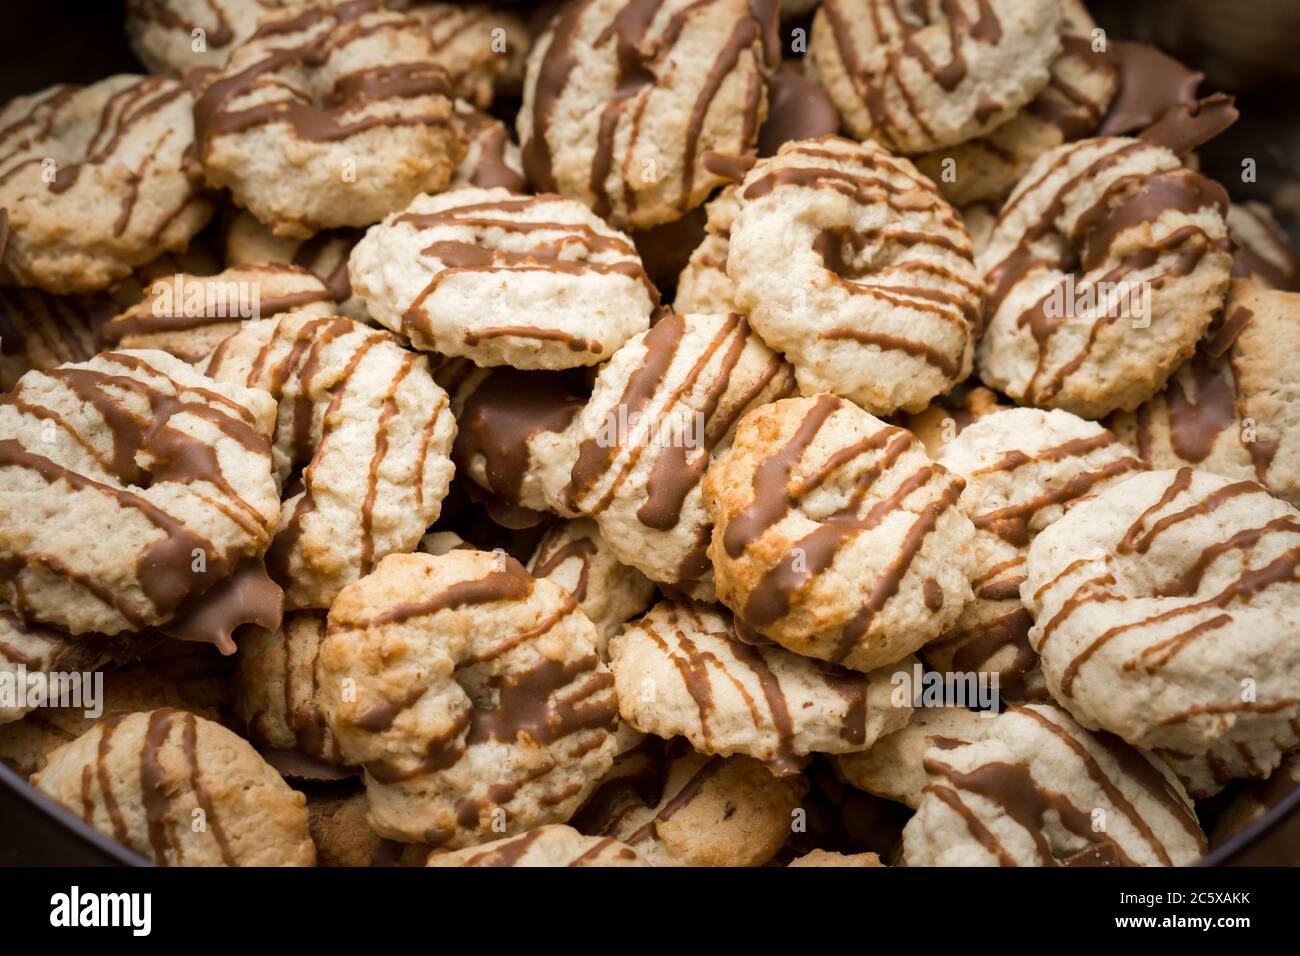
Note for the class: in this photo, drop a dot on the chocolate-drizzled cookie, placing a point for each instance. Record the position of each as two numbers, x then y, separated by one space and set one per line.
1264 251
680 670
624 101
482 48
1234 409
1040 790
470 693
172 37
554 845
503 279
835 536
145 779
661 410
1164 611
1106 265
133 486
107 157
362 445
328 115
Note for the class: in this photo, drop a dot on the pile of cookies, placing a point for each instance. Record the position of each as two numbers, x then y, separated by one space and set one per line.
645 432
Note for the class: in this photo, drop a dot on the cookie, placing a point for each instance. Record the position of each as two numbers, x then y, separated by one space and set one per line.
362 441
1040 790
624 102
482 48
41 664
491 157
680 670
662 409
513 450
330 115
828 858
1023 468
576 556
471 694
1234 409
1164 612
1264 251
129 485
704 286
1106 266
852 264
172 37
1070 107
324 255
554 845
835 536
918 79
189 316
40 330
894 767
677 807
277 697
180 791
532 282
92 184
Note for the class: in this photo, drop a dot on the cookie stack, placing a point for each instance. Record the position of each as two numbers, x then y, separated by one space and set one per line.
644 433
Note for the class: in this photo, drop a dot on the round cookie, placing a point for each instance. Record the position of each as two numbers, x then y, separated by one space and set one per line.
482 48
30 656
40 330
324 255
189 316
677 807
1264 251
92 184
680 670
835 536
554 845
130 484
894 767
370 431
1023 468
1234 409
852 264
328 115
623 103
1165 610
512 446
491 156
471 694
577 557
502 279
827 858
662 409
278 699
147 779
1040 790
1106 265
172 37
1071 106
918 79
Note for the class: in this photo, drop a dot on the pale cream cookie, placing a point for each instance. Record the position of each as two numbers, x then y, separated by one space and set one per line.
482 48
367 432
502 279
835 536
145 778
828 858
1040 790
851 263
553 845
680 670
1165 609
173 37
